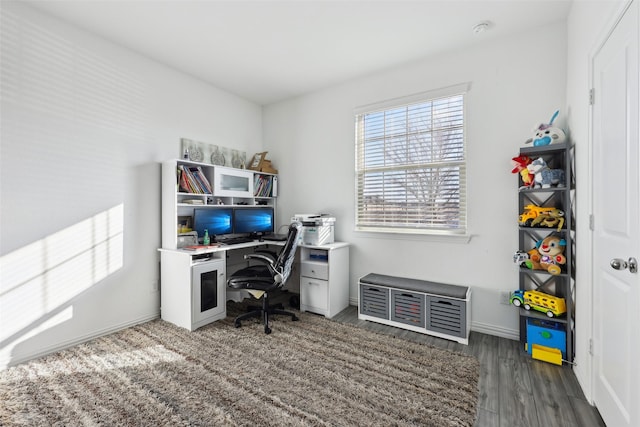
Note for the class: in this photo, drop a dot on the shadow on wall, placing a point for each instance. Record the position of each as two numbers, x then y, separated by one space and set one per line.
38 281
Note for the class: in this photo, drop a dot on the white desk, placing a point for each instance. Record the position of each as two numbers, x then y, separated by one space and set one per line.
193 283
186 275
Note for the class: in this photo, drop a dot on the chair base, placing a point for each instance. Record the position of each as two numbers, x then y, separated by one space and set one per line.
264 312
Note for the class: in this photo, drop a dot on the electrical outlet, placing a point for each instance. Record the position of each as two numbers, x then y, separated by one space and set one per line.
504 297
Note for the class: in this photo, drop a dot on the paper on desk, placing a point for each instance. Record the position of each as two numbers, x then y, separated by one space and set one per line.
255 294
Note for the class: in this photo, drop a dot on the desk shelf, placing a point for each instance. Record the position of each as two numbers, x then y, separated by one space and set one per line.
230 188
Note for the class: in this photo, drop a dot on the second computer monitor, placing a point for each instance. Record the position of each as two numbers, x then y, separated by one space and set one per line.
256 220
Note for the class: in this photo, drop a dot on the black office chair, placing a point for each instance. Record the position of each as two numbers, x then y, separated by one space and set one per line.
267 278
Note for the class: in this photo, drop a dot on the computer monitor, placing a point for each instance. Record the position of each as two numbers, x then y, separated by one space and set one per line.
216 220
256 220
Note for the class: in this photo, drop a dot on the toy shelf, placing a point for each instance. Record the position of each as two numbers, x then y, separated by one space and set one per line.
556 156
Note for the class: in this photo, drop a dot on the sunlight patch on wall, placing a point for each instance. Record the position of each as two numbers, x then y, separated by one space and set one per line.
40 280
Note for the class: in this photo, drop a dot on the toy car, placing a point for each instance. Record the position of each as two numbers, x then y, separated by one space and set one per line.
550 305
520 258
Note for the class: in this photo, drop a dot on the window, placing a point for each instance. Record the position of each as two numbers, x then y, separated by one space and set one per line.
410 164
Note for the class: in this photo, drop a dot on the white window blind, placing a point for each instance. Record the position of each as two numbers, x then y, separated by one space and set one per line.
410 165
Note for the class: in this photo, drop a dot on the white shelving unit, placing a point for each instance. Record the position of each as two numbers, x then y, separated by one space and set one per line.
230 187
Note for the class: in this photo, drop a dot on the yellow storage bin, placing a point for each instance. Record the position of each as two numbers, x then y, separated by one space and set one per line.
546 354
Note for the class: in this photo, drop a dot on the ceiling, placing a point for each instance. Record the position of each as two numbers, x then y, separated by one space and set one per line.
268 50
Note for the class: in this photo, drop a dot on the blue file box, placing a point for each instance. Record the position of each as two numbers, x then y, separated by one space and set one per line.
547 333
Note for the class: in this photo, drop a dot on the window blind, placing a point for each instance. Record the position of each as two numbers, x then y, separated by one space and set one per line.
410 166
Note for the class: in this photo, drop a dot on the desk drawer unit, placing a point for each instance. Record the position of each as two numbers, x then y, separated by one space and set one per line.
431 308
324 278
315 295
315 270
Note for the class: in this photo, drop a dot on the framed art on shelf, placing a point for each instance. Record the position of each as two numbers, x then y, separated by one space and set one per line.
197 151
256 162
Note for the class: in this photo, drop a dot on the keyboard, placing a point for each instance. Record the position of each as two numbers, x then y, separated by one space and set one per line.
276 237
235 240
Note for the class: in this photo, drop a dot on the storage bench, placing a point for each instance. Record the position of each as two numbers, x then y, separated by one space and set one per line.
431 308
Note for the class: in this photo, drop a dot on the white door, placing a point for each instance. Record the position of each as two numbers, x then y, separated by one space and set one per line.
616 235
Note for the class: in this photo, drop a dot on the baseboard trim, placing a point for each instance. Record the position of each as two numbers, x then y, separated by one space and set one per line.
18 359
499 331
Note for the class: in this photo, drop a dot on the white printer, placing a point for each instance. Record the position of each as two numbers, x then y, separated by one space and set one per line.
317 229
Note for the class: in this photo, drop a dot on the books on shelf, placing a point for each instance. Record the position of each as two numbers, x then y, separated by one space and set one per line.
191 179
262 185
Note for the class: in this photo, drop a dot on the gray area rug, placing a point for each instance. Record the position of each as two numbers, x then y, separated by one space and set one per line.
312 372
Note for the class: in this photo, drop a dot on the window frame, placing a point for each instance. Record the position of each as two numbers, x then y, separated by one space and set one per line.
406 102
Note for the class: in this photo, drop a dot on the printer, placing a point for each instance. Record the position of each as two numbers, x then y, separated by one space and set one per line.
317 229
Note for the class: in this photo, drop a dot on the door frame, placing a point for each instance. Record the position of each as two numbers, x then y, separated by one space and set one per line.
601 40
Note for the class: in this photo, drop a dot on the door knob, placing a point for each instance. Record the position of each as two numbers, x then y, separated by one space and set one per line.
618 264
633 265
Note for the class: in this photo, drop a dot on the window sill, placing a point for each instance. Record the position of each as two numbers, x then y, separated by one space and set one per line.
417 236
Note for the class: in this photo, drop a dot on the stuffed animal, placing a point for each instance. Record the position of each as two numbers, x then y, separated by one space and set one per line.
551 218
520 164
544 177
533 263
551 250
545 134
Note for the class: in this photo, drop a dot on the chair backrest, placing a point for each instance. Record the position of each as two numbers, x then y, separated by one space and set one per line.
284 262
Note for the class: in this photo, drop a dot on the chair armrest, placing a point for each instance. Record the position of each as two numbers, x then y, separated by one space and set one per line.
269 253
260 257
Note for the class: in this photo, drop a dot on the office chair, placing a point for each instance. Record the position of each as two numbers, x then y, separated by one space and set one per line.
263 279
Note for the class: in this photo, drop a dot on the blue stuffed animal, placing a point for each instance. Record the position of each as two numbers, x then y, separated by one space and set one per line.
545 177
546 134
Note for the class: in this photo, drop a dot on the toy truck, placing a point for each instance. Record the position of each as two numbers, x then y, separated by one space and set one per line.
531 212
550 305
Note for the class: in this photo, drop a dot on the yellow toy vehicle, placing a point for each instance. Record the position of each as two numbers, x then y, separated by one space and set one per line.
551 305
531 212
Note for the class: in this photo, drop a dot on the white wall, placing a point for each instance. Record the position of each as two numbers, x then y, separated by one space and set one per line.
85 124
587 26
515 84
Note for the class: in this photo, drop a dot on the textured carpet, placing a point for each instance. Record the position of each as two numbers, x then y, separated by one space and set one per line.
311 372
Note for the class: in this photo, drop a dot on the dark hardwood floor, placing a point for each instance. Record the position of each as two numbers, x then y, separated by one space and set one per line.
515 390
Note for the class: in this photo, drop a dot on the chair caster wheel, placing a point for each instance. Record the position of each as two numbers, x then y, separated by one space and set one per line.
237 324
267 331
294 318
